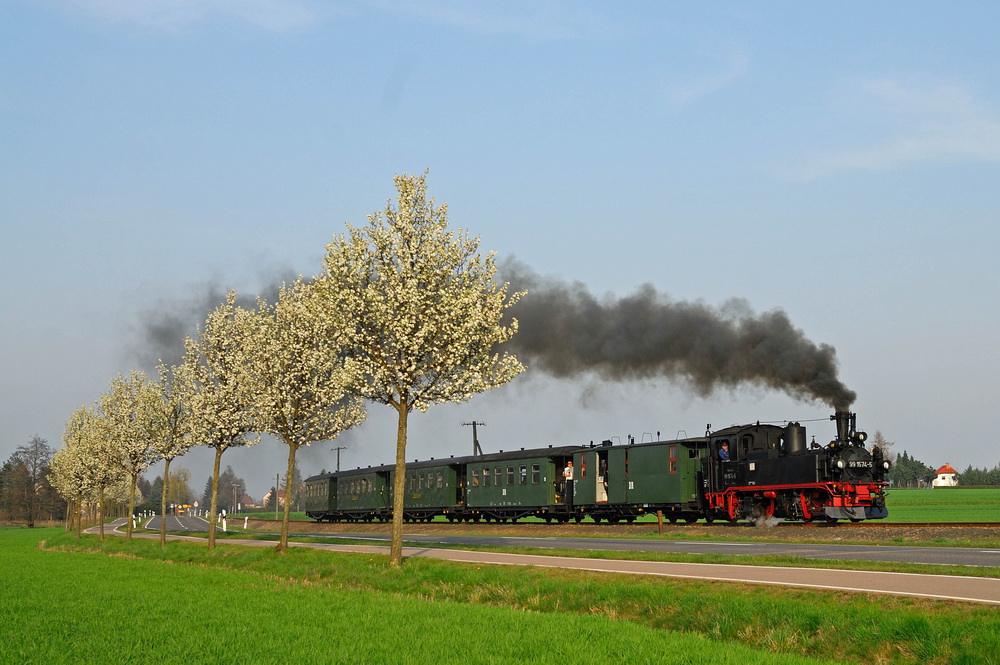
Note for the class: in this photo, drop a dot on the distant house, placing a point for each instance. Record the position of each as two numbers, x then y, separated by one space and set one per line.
267 501
945 477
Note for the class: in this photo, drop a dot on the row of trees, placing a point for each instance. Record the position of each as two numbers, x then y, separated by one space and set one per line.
982 476
405 313
908 471
26 495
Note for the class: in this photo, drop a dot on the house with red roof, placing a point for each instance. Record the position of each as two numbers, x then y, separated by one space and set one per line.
945 477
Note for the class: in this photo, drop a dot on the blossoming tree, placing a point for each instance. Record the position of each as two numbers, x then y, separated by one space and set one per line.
134 421
298 380
87 465
421 313
175 407
221 415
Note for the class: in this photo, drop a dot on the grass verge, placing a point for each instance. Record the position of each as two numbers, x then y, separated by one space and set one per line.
493 614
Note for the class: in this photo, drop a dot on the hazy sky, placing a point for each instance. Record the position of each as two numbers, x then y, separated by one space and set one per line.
837 161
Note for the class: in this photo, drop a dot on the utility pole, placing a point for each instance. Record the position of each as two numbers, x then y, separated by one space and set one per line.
476 448
338 449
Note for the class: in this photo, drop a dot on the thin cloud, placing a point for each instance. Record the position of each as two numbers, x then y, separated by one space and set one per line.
931 124
176 15
541 21
691 91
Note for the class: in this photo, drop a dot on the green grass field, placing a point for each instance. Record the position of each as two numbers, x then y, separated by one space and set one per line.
943 505
251 606
129 602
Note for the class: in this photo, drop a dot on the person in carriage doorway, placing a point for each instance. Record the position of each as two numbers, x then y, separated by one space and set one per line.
567 476
724 452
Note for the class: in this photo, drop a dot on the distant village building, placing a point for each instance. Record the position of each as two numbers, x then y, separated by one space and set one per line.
945 477
267 501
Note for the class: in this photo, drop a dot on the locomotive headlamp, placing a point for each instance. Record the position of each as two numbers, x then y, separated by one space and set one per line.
862 437
841 464
886 465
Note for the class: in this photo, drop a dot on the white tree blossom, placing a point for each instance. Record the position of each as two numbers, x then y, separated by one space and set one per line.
87 466
420 311
135 421
298 380
176 391
221 414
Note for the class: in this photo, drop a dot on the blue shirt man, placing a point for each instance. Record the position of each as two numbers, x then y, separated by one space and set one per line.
724 452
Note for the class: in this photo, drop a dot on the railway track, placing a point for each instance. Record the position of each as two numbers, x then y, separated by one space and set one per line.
716 525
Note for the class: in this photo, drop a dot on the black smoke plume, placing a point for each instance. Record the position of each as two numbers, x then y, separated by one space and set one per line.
566 331
161 328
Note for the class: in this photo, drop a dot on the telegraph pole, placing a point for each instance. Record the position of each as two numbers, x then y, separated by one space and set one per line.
338 449
476 448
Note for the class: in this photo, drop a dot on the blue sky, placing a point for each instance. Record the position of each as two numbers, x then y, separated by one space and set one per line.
838 161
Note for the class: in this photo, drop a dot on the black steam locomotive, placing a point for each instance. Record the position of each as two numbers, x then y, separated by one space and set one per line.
771 473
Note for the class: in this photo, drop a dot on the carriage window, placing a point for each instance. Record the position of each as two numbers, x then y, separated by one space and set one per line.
673 459
475 477
510 475
413 482
536 474
440 479
524 474
486 477
498 476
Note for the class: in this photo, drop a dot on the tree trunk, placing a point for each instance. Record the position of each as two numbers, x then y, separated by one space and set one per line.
215 498
100 512
131 508
289 487
163 504
399 488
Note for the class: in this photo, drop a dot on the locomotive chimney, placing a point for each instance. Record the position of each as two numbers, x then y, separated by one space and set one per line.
843 419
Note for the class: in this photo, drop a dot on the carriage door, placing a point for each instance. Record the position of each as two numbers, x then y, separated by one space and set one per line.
382 499
588 485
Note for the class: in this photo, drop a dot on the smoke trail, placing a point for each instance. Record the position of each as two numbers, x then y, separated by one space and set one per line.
160 331
565 331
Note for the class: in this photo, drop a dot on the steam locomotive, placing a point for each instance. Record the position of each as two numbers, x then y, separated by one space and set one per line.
771 473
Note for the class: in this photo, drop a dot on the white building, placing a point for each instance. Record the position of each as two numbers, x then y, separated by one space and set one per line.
945 477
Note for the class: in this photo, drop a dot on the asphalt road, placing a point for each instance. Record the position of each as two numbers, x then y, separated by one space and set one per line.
944 587
178 523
